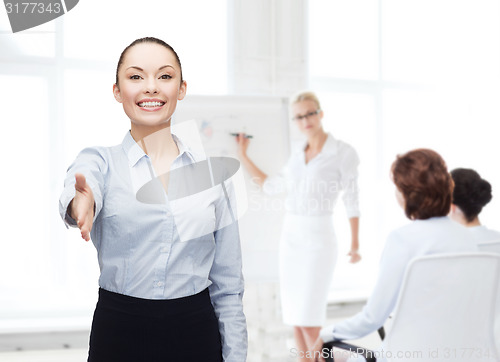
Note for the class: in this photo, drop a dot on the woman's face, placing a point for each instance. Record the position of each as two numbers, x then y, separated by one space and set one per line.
307 120
149 86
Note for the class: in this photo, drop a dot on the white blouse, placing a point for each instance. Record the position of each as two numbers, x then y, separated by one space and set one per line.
313 188
436 235
484 235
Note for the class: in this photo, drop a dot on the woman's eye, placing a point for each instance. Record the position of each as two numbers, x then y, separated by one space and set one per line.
165 76
135 76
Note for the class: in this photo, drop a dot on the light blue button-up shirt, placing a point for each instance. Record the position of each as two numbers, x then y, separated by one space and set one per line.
139 249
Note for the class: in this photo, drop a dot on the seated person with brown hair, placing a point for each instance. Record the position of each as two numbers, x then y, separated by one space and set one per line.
424 190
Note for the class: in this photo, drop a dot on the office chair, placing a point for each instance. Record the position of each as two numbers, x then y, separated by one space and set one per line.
494 247
445 311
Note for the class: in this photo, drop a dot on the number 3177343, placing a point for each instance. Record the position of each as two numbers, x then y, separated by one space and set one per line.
32 8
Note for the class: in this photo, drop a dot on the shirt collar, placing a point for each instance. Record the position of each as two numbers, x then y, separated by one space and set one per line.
134 152
183 149
330 147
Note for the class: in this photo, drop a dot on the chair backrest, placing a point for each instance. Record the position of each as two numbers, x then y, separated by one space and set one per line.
445 310
490 247
494 247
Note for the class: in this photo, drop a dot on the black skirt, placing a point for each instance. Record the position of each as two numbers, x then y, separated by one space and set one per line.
143 330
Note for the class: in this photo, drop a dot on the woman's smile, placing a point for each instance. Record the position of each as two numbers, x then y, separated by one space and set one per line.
150 105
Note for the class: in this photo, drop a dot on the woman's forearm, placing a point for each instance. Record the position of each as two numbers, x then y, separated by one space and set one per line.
257 175
354 222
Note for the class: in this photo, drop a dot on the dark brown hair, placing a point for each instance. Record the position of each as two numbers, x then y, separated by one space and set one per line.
471 192
148 39
423 179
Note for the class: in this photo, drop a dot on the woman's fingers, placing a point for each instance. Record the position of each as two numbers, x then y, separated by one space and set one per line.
242 142
84 223
83 218
83 206
241 138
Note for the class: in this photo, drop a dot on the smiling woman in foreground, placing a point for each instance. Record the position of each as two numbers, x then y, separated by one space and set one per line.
162 297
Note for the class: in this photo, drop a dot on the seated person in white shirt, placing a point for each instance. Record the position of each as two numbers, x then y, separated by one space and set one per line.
424 190
470 195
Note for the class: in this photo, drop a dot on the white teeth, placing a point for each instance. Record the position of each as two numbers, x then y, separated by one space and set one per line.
151 104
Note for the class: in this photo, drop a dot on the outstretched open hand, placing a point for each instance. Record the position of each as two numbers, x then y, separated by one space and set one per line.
82 206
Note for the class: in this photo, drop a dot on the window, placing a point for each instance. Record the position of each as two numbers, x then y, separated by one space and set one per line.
393 75
343 39
56 98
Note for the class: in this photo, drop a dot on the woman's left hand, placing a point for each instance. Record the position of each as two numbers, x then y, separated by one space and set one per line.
242 143
355 256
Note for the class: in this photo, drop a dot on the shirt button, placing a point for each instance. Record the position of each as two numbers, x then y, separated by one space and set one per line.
159 284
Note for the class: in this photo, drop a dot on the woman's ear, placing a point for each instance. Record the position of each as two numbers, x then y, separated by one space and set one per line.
116 93
182 91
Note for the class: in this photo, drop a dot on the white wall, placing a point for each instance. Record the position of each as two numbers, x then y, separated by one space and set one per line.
268 42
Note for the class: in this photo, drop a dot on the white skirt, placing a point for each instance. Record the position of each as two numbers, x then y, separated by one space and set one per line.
308 254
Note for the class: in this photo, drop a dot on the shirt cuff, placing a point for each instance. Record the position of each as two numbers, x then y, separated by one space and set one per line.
352 213
326 334
69 221
66 197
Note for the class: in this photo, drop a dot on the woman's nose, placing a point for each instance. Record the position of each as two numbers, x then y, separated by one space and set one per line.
151 87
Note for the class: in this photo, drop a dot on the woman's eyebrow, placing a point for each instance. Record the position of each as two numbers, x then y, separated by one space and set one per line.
165 66
136 67
162 67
